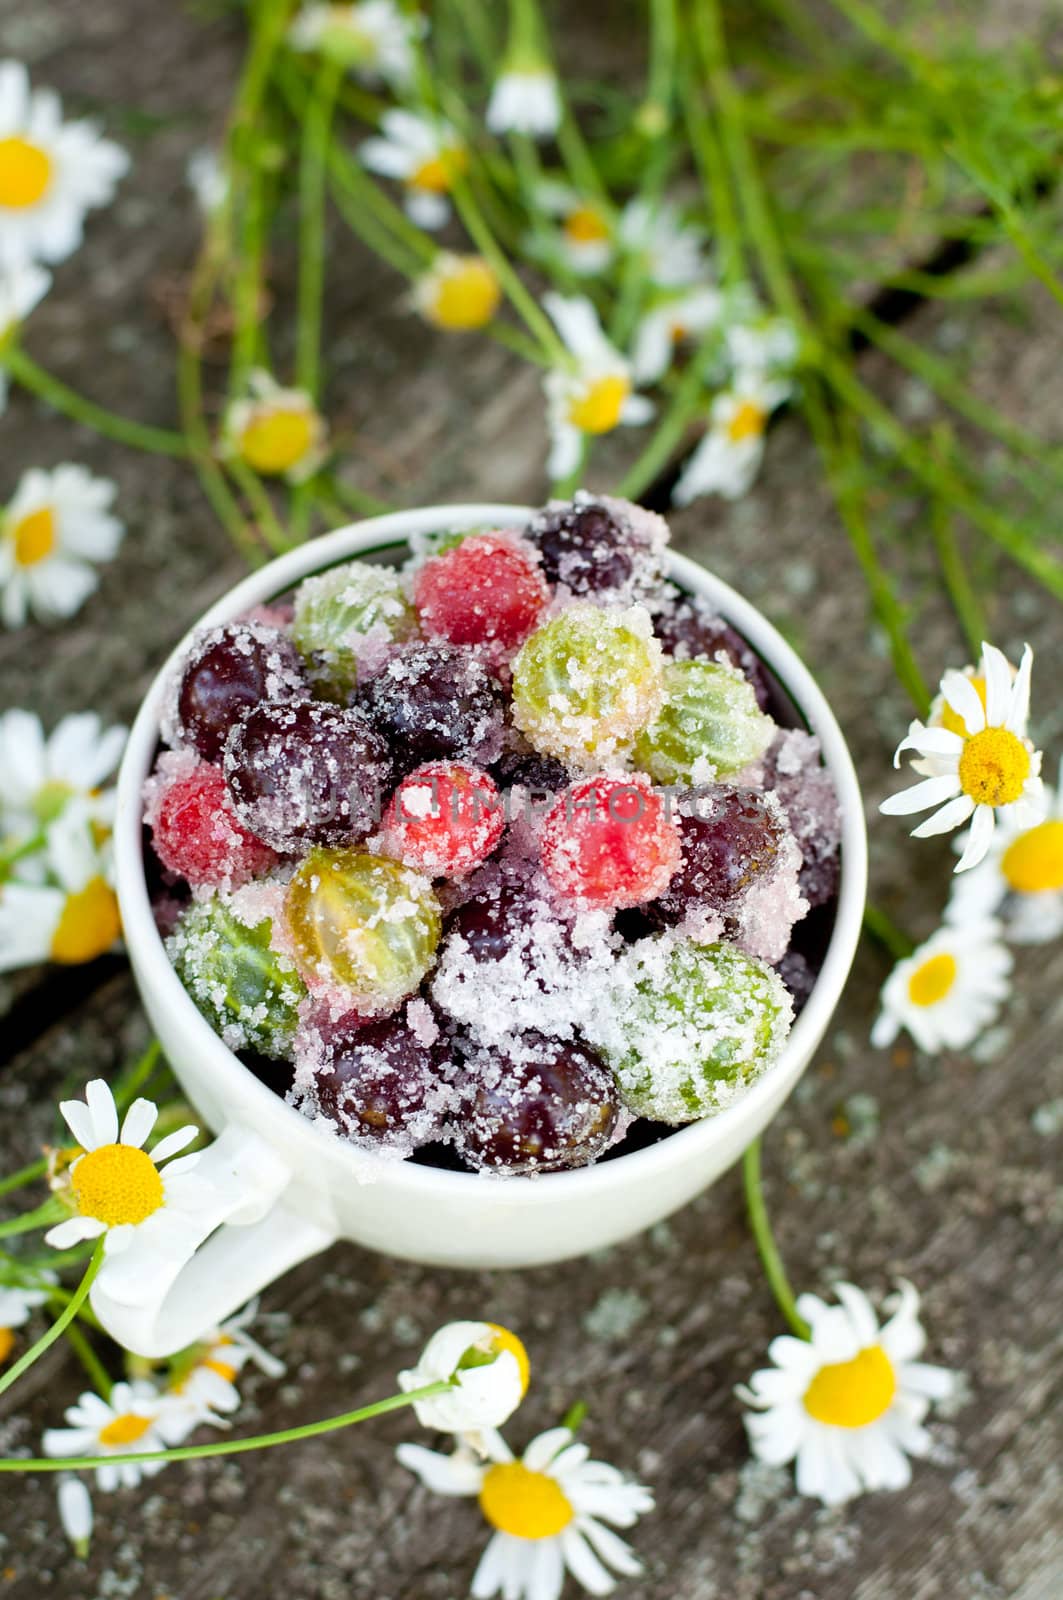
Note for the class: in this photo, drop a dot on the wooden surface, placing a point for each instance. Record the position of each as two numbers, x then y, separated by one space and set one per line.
883 1164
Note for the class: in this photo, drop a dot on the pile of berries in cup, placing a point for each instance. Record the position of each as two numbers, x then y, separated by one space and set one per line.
499 857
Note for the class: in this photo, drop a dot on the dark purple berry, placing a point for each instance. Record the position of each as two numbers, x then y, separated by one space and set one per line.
798 976
303 772
376 1082
541 1106
584 548
492 922
434 702
538 774
229 670
734 841
690 629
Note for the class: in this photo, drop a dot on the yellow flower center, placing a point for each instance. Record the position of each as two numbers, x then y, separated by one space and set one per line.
504 1340
1033 862
585 225
852 1394
117 1184
7 1344
34 537
994 766
88 925
527 1504
932 981
25 173
952 720
275 441
747 422
466 295
125 1429
436 175
599 406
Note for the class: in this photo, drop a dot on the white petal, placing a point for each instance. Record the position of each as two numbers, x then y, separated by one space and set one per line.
935 1383
138 1123
952 815
173 1142
962 696
101 1104
73 1231
931 792
997 685
583 1563
458 1474
542 1450
861 1313
979 840
1019 703
78 1118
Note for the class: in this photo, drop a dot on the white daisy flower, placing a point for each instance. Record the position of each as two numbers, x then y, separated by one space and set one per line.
75 1512
1020 879
948 991
21 289
669 250
55 531
549 1511
207 1392
371 39
457 292
593 395
41 775
426 155
149 1216
16 1304
72 915
586 238
208 180
667 324
727 460
134 1421
277 432
850 1401
488 1369
988 766
768 345
51 172
525 99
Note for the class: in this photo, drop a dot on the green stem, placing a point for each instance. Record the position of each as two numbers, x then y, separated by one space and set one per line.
157 441
575 1416
961 592
885 931
523 302
233 1447
59 1326
771 1261
98 1375
313 184
128 1086
683 407
247 288
257 496
41 1217
19 1180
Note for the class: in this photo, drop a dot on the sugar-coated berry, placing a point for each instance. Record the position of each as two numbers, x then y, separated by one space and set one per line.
600 547
796 972
223 951
376 1081
197 834
495 920
610 842
547 1105
436 702
691 628
349 616
687 1026
708 726
488 589
362 926
444 818
533 772
302 772
732 840
587 682
228 671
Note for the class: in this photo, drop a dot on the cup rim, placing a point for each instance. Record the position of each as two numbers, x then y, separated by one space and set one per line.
153 969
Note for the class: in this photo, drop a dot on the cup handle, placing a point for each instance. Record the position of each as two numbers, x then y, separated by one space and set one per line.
249 1239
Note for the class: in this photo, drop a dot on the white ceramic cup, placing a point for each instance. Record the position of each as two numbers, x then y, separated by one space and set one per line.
298 1187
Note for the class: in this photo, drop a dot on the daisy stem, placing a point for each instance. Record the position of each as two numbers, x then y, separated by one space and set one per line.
61 1323
98 1375
575 1416
954 574
157 441
261 505
313 186
42 1216
885 931
770 1258
521 299
247 306
126 1088
681 410
18 1180
262 1441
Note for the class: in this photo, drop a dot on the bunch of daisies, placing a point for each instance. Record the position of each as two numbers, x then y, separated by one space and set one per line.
978 771
57 899
57 525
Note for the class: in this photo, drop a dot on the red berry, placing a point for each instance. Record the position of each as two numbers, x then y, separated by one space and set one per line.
486 590
610 842
197 834
444 818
